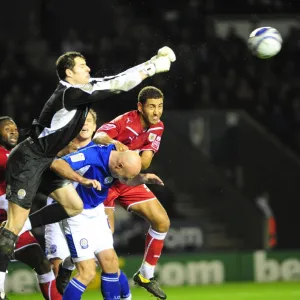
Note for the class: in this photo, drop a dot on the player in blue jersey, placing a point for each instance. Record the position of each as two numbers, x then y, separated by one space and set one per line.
105 164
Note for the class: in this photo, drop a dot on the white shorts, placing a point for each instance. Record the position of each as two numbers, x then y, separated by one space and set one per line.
55 242
88 233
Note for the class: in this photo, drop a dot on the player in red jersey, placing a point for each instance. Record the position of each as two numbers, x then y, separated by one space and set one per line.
27 248
140 130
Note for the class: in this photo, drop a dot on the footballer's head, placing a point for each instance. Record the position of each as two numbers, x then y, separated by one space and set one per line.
150 105
9 133
72 67
125 165
89 127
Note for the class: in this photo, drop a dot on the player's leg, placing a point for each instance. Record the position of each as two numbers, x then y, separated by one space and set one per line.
56 246
68 198
110 212
156 215
107 258
4 260
109 204
80 239
86 271
143 202
24 170
29 252
69 204
110 286
124 285
55 262
57 251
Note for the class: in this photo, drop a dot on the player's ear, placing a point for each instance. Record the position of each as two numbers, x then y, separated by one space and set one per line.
120 165
139 106
69 73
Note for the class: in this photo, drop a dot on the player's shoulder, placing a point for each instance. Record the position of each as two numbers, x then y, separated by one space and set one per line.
4 152
127 116
103 148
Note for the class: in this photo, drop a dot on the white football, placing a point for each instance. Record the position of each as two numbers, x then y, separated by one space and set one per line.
265 42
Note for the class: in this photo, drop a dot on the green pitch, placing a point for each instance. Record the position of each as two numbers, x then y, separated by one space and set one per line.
242 291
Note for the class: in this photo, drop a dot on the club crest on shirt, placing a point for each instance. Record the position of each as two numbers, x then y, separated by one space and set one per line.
84 243
152 137
53 249
108 180
21 194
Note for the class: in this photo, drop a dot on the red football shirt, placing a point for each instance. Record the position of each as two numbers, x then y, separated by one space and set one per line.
127 129
3 160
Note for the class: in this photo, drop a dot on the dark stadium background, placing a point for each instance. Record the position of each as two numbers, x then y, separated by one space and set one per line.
232 121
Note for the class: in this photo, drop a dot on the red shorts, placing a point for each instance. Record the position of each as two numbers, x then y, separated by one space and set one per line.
25 239
127 195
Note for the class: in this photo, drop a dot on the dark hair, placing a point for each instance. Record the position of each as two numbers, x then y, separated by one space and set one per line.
66 61
149 92
5 118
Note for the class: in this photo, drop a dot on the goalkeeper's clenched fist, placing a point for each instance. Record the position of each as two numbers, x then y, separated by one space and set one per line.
167 52
160 62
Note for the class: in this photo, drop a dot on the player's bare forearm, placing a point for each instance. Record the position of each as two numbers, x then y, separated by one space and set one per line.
63 169
146 159
147 178
103 138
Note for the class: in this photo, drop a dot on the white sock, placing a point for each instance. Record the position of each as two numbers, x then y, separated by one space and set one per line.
128 298
147 270
2 281
46 277
68 263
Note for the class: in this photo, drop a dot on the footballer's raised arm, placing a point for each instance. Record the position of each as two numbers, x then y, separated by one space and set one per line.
100 88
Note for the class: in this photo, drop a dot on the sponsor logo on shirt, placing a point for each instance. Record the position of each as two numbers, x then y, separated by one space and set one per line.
77 157
155 145
152 137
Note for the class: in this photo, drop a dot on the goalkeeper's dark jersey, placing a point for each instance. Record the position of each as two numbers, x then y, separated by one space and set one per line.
65 112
